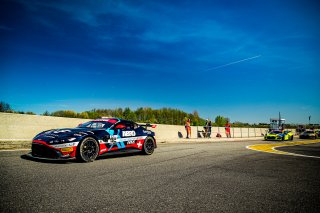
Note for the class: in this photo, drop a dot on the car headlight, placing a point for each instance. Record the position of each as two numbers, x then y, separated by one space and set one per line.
63 140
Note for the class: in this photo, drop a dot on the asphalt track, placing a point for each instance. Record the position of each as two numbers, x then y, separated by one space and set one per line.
306 150
195 177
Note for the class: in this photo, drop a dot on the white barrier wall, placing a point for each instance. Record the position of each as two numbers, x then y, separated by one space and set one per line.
235 132
25 127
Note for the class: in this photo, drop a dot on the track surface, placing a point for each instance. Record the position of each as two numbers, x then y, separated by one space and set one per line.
309 149
205 177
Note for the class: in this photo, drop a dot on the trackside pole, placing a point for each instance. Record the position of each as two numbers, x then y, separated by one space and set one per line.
197 132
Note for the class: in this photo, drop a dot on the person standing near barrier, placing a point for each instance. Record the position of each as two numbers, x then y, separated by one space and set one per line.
188 128
209 125
205 129
227 128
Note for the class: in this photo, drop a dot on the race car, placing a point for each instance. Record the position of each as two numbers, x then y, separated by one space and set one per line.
92 139
279 135
312 134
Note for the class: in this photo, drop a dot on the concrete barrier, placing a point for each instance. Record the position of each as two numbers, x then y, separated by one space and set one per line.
22 127
25 127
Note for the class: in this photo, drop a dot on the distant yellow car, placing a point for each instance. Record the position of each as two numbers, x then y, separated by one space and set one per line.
279 135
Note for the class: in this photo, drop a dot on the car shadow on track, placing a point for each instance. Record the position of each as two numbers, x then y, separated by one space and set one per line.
26 157
106 156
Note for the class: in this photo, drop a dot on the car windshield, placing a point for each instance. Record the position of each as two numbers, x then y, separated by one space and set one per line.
310 132
275 132
96 125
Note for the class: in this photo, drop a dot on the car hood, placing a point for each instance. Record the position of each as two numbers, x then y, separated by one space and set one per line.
66 133
274 134
308 134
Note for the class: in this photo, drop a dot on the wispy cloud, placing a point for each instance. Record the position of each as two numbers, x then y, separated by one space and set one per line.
232 63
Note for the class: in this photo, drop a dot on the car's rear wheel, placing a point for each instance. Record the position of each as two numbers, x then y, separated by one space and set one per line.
88 150
148 146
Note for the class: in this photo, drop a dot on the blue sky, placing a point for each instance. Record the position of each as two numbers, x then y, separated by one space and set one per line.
246 60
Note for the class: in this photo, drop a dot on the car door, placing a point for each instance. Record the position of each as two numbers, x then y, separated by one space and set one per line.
126 133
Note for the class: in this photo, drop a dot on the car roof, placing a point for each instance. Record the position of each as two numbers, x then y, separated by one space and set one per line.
109 120
112 120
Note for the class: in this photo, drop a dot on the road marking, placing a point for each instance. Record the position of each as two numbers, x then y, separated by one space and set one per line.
272 148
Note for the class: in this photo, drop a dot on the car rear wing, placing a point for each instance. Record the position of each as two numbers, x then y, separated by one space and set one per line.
148 125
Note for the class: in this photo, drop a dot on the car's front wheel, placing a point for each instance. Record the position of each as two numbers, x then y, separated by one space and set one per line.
148 146
88 150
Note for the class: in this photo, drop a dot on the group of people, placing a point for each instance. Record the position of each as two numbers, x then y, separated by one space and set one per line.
207 129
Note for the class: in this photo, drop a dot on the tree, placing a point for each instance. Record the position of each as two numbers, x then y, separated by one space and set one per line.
126 113
65 113
93 114
220 120
118 113
46 113
139 114
132 116
83 115
5 107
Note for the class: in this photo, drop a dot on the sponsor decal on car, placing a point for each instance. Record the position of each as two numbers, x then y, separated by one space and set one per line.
61 131
128 133
139 144
132 138
130 142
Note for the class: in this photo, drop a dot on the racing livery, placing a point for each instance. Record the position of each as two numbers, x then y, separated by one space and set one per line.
279 135
92 139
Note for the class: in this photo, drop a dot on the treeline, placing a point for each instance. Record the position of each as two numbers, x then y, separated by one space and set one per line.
5 107
144 115
149 115
157 116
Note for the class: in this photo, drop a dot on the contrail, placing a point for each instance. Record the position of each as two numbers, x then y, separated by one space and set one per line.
235 62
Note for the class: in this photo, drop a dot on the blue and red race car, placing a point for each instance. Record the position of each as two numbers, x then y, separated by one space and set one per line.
92 139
